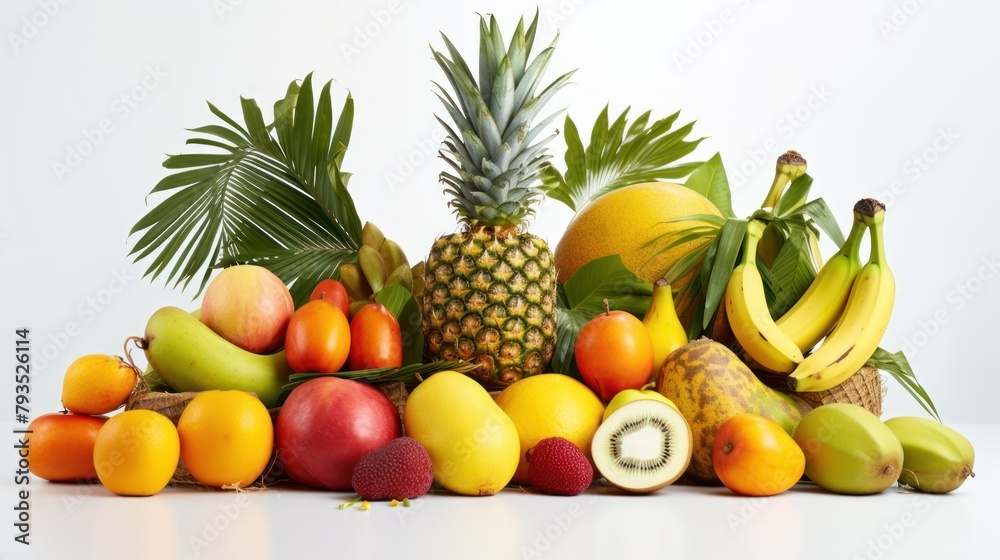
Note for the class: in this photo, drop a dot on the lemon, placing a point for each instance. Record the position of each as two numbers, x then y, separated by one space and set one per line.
550 405
473 445
624 221
136 453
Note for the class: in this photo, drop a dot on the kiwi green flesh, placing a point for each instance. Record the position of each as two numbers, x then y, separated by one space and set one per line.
643 446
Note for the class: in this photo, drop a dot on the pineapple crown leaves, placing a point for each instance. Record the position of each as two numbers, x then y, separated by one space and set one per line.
618 157
272 195
489 142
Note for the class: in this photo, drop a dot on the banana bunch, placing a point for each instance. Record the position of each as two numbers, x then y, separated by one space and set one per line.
847 304
860 327
381 263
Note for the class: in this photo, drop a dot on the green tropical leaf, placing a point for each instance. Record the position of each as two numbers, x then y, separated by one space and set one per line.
728 242
272 195
896 365
582 298
821 214
795 196
710 181
400 302
618 155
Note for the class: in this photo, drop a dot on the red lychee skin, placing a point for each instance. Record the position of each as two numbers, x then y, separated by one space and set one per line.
399 469
557 466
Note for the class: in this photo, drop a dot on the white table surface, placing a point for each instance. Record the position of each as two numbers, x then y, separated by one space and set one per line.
86 521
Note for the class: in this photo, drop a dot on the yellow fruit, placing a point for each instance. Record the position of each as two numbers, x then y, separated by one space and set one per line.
664 327
623 221
473 444
226 438
136 453
550 405
630 395
97 384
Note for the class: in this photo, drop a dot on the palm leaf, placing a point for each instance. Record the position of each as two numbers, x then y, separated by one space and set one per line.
617 156
272 195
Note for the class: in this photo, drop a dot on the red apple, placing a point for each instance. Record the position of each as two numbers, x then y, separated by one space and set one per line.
333 292
248 306
318 338
376 340
327 425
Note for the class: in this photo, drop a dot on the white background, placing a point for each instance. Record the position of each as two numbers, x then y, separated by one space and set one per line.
894 99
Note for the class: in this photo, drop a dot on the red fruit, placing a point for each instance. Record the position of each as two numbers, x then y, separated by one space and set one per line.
376 341
556 466
248 306
333 292
399 469
327 425
318 338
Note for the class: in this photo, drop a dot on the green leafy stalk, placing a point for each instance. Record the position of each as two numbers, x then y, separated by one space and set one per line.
896 365
272 195
618 155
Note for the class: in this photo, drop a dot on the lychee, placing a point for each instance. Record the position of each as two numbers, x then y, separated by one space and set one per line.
397 470
557 466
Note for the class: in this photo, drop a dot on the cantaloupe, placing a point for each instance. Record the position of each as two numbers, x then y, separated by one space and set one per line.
623 221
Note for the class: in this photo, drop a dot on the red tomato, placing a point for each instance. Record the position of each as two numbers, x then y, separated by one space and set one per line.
376 340
333 292
318 338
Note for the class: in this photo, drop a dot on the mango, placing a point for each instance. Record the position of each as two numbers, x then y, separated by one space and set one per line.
709 384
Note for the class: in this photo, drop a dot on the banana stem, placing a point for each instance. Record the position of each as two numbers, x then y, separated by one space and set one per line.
853 242
790 166
755 229
872 213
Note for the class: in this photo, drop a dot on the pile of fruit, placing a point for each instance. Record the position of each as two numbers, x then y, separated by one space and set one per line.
664 339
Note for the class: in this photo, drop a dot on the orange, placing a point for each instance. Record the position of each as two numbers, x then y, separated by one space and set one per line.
754 456
136 453
550 405
97 384
226 438
62 446
318 339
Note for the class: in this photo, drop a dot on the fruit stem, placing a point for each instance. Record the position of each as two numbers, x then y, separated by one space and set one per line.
755 229
607 307
852 244
790 166
872 213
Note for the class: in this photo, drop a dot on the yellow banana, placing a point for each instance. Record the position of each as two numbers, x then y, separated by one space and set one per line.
662 324
818 310
189 356
865 318
748 315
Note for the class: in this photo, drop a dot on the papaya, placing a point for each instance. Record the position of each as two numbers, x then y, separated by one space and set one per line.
709 384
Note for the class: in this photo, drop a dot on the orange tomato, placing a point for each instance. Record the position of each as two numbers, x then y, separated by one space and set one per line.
376 340
62 446
754 456
333 292
318 338
614 352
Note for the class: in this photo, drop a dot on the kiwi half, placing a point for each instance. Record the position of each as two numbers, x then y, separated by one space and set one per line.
643 446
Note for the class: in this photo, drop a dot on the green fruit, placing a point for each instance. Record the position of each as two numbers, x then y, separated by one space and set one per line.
709 385
936 458
849 450
632 395
189 356
473 444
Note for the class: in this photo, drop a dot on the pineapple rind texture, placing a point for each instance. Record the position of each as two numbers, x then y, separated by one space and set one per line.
491 300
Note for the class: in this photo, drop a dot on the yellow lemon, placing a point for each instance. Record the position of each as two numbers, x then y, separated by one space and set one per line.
226 438
550 405
473 445
136 453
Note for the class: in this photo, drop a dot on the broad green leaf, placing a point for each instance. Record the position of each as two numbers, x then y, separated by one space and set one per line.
582 298
710 181
820 213
792 268
729 244
896 365
401 303
795 196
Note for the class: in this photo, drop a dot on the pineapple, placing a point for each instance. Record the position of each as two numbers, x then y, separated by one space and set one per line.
490 289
